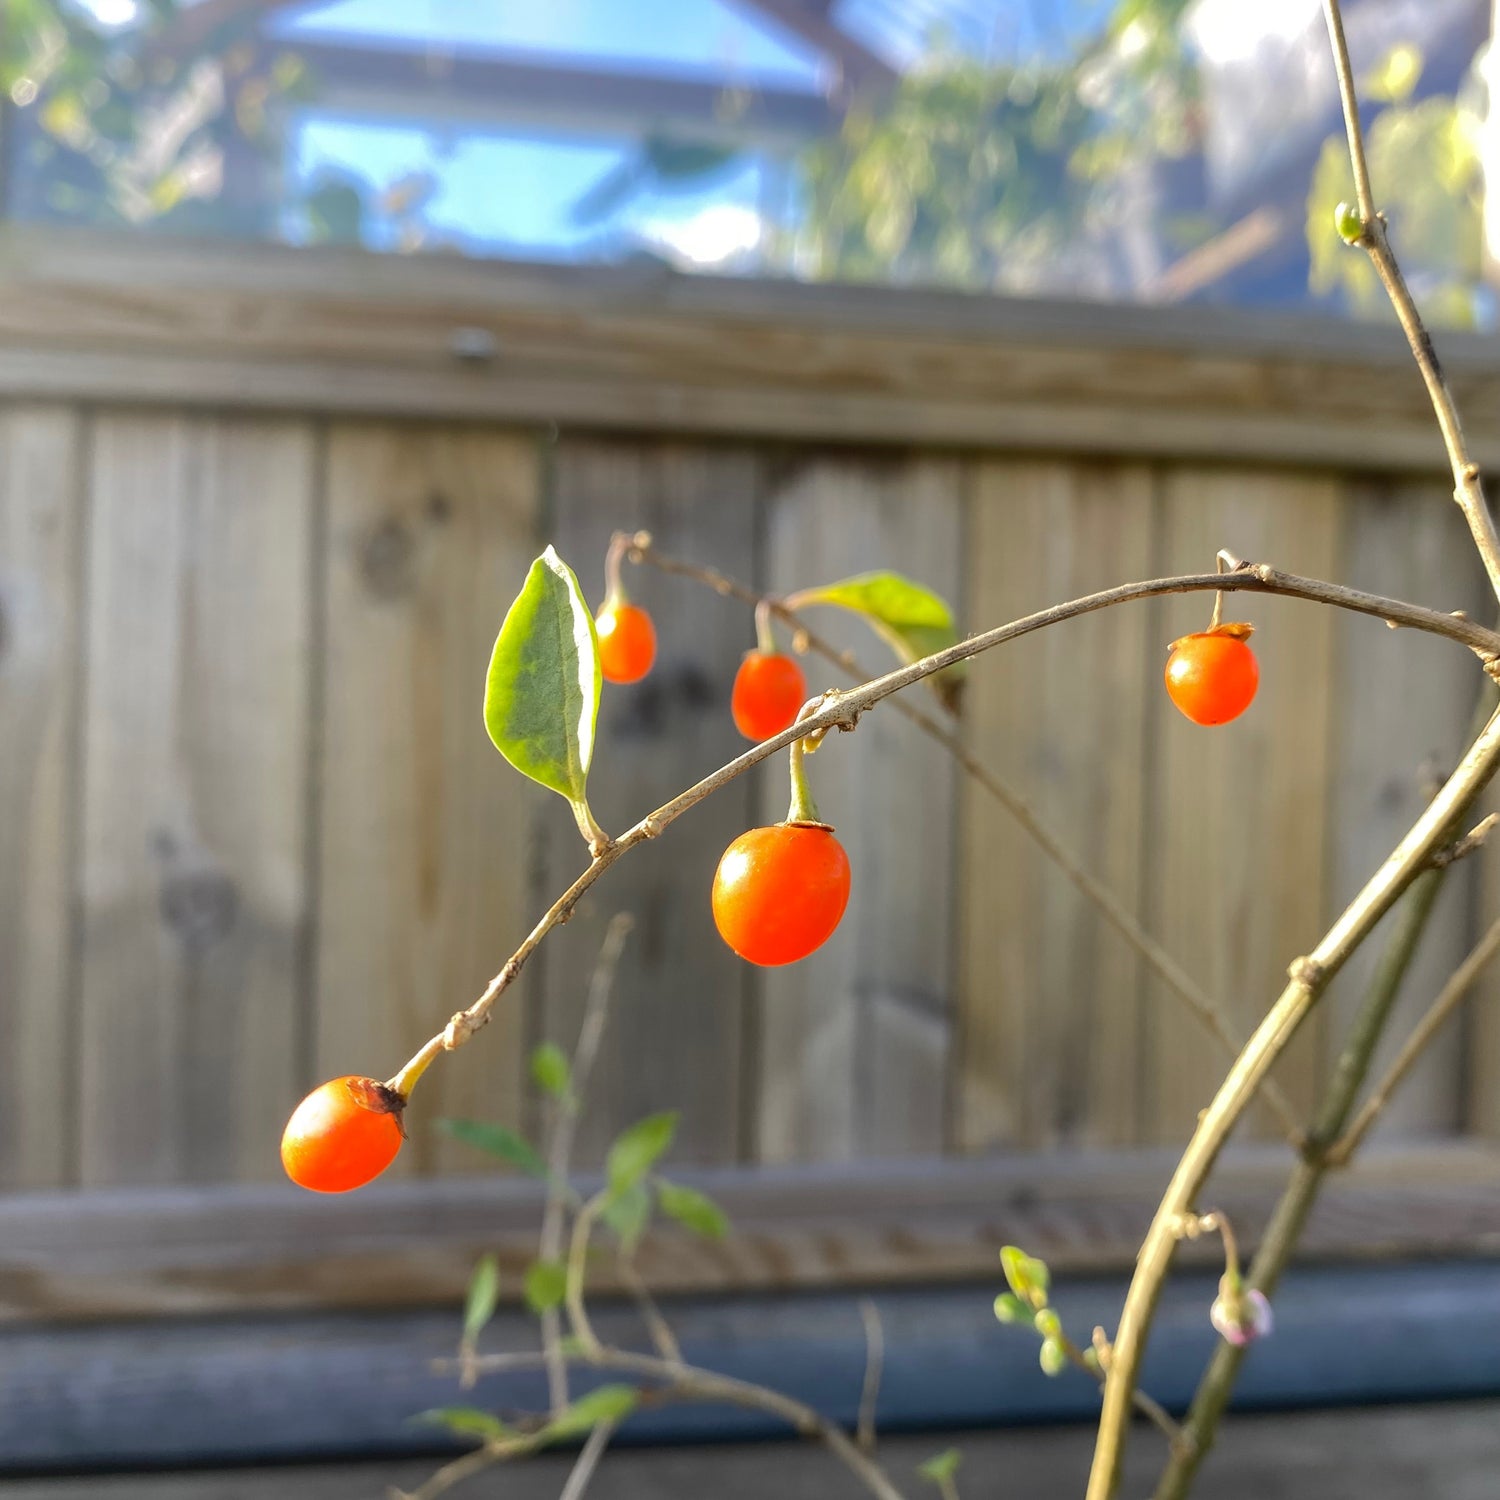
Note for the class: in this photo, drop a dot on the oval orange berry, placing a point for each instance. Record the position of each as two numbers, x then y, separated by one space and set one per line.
768 690
346 1132
627 642
1212 677
779 892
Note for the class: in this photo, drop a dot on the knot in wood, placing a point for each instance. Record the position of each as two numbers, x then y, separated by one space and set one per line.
1305 971
458 1031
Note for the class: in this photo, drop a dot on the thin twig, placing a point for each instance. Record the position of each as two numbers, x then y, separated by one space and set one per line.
564 1127
1473 841
1204 1010
587 1461
869 1395
1448 1000
1153 1411
459 1469
651 1315
1310 976
578 1250
1468 487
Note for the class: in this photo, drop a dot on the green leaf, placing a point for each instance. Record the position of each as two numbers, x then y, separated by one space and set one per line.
912 620
636 1150
628 1215
1053 1357
551 1070
541 698
607 1403
1010 1309
941 1467
546 1285
692 1209
496 1140
1029 1278
467 1421
484 1295
1048 1324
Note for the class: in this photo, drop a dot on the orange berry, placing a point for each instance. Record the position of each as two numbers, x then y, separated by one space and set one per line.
768 690
346 1132
627 642
1212 677
779 892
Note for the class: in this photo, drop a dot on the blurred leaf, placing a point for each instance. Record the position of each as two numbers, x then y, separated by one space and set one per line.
467 1421
551 1070
541 699
1395 76
692 1209
496 1140
484 1296
628 1214
636 1150
336 214
1010 1309
608 1403
941 1468
1029 1278
1053 1358
546 1285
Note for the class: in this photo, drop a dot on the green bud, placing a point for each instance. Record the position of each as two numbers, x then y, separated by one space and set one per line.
1350 226
1053 1357
1010 1309
1048 1324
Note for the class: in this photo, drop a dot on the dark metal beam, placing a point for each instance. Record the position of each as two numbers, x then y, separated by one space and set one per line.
809 20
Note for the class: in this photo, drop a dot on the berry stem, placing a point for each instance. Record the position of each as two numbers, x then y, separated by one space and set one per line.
765 636
614 591
803 808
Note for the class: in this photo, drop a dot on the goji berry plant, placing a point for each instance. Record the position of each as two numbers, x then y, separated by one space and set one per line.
780 892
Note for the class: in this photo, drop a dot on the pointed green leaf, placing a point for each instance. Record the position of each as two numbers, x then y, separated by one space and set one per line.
546 1285
496 1140
551 1070
484 1295
636 1150
607 1403
627 1215
467 1421
1028 1277
912 620
541 698
941 1467
692 1209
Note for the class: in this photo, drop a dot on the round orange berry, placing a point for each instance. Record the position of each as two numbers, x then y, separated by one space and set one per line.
346 1132
1212 677
627 642
779 892
768 690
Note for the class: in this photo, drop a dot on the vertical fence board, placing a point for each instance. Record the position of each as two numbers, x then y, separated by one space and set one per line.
193 880
40 537
855 1039
423 839
1050 995
1237 858
678 1016
1404 702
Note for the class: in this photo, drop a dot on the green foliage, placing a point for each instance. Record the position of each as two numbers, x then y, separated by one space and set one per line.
1425 161
1048 1324
692 1209
546 1285
1010 1309
551 1071
541 698
910 618
627 1215
498 1141
941 1467
1029 1278
636 1150
468 1421
1052 1357
483 1298
606 1403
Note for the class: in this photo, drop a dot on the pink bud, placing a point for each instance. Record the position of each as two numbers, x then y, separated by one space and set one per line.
1242 1316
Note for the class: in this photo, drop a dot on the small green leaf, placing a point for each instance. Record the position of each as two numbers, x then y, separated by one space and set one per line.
912 620
496 1140
550 1069
607 1403
1010 1309
941 1467
484 1295
1028 1277
692 1209
467 1421
1348 223
636 1150
1053 1357
546 1285
1048 1324
628 1215
541 698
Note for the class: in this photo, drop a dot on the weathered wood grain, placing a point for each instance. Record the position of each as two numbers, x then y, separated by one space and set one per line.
854 1040
41 534
424 833
194 892
1402 710
1237 850
1050 995
677 1020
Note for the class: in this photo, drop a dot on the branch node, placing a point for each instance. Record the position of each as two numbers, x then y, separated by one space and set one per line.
459 1030
1305 971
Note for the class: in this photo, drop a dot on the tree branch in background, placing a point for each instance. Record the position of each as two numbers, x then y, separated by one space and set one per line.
869 1395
